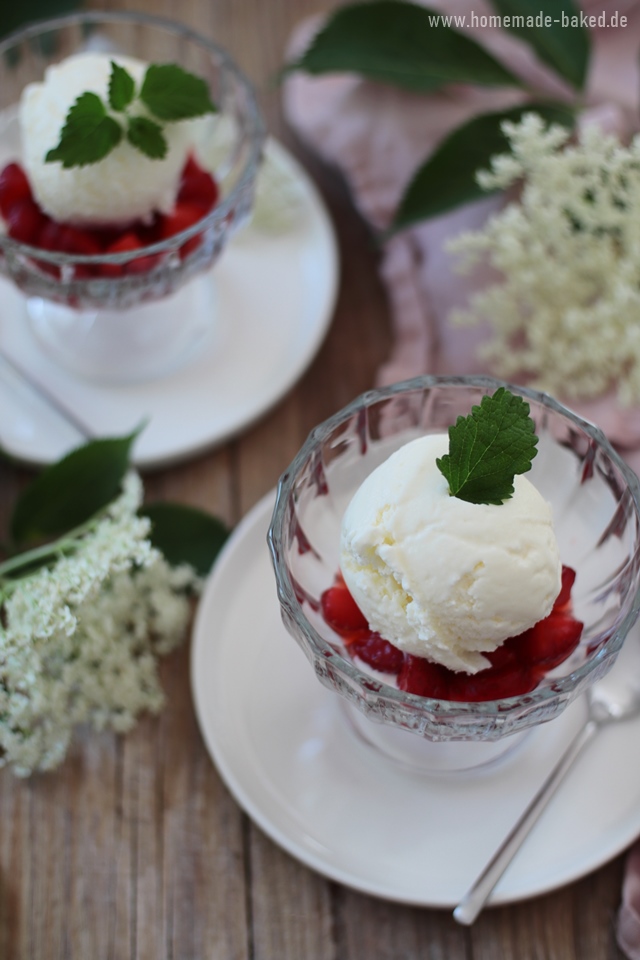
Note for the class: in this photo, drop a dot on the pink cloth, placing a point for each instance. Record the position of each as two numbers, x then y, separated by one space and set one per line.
378 135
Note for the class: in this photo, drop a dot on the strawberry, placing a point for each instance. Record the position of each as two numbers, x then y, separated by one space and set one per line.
493 684
24 221
377 653
184 215
197 187
550 641
424 678
341 612
564 597
127 242
14 187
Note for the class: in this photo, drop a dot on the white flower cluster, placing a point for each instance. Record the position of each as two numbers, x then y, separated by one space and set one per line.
567 311
79 639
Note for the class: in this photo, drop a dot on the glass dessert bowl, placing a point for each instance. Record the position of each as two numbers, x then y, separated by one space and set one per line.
136 309
595 500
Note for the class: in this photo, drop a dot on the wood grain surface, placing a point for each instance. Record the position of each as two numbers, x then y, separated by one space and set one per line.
134 849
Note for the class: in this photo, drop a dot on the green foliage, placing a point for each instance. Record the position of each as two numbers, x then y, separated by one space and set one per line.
90 132
543 24
448 178
488 448
396 42
171 93
185 534
70 492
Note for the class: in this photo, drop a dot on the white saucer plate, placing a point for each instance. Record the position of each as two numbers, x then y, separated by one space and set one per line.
274 298
282 745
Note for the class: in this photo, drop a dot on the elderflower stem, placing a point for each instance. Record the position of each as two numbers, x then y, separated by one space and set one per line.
56 549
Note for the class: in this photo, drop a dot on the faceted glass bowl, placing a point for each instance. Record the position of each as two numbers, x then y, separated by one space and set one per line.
67 305
595 499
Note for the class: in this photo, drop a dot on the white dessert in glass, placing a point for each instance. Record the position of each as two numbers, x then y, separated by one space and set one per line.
130 312
595 501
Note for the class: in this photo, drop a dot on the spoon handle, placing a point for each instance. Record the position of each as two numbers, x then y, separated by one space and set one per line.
478 894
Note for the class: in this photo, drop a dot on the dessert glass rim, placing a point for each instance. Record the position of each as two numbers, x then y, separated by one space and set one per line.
222 209
286 592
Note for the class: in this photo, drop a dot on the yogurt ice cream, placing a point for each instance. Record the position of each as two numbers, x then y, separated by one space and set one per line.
122 187
442 578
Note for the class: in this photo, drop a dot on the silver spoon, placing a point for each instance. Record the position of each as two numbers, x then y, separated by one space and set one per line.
604 707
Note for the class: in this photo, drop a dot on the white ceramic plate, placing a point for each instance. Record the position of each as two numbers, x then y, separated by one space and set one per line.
275 293
282 746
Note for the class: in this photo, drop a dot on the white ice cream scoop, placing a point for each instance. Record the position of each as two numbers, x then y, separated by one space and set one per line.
440 577
122 187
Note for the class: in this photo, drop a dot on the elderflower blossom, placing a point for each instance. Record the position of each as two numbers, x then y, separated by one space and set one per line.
79 641
567 311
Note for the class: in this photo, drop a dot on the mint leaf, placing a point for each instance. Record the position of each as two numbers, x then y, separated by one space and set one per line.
88 135
122 87
401 43
488 448
172 93
147 136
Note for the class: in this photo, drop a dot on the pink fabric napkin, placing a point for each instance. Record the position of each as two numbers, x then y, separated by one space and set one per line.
378 136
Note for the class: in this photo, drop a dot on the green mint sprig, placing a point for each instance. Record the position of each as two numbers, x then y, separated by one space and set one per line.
90 130
487 448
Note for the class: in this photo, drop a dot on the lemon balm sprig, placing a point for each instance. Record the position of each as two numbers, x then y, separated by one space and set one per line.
167 94
487 448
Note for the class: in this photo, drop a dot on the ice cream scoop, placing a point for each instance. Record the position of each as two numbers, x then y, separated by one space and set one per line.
440 577
122 187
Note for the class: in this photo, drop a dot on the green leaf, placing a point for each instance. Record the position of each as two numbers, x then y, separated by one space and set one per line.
448 178
88 135
185 535
555 30
172 93
147 136
122 87
69 492
396 42
488 448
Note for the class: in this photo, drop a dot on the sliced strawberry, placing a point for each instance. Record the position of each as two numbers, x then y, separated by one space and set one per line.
197 187
506 655
127 242
424 678
550 641
377 653
493 684
14 187
341 612
183 216
24 221
564 597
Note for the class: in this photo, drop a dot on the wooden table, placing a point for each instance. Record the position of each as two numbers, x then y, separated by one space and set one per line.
134 848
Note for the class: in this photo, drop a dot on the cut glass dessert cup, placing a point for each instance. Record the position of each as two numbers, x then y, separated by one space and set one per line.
159 308
595 500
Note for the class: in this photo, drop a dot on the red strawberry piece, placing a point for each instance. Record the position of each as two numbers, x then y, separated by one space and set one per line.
24 221
493 684
377 653
127 242
341 612
197 187
14 187
183 216
74 240
564 597
424 678
550 641
506 655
